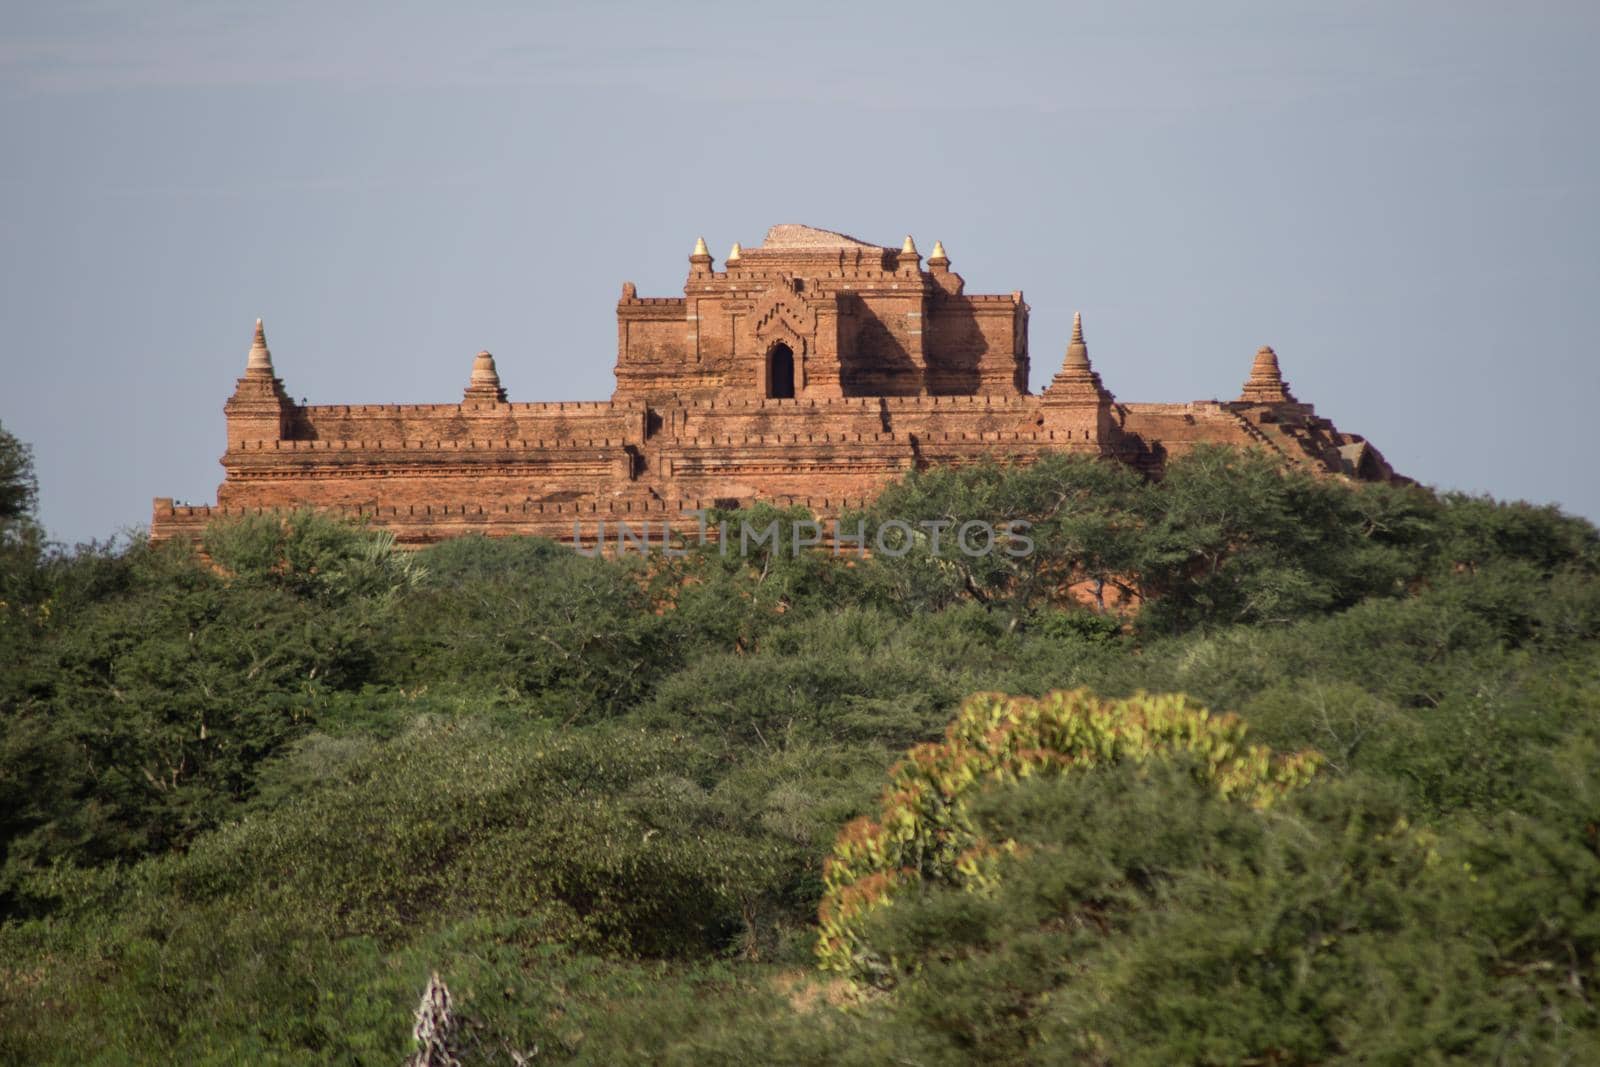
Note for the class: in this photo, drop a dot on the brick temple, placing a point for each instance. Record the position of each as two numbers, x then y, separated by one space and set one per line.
810 370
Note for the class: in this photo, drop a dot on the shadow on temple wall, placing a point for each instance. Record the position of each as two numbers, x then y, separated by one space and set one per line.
875 362
956 347
301 427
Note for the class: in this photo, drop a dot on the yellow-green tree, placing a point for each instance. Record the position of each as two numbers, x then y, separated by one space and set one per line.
924 832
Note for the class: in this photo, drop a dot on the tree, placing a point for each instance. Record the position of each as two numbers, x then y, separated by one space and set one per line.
19 489
1013 538
21 547
924 834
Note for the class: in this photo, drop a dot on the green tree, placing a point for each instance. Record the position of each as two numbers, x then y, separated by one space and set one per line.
574 637
1067 520
19 488
311 555
762 568
1234 536
21 542
924 833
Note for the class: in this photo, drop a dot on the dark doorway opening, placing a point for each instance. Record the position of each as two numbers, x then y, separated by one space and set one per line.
780 372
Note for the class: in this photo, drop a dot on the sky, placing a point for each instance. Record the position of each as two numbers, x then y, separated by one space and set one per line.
1402 198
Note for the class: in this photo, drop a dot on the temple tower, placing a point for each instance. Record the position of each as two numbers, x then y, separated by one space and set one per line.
1265 384
259 409
1075 402
812 314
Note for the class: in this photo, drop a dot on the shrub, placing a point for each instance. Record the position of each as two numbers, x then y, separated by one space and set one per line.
924 832
579 637
311 555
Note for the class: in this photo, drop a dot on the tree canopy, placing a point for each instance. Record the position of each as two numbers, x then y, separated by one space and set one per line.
251 801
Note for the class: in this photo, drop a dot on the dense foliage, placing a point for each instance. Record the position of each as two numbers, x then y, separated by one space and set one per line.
250 800
925 835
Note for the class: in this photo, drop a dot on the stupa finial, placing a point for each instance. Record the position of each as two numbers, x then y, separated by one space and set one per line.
260 361
700 259
1076 382
1265 384
484 385
1077 350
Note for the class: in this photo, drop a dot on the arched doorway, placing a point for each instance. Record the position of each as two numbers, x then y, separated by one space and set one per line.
780 372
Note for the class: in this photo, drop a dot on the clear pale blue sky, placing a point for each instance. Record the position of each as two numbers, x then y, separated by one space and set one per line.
1400 197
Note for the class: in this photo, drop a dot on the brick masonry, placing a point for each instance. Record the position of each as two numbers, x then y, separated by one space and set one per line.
811 370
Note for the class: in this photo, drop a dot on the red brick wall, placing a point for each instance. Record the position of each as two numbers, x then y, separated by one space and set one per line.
944 373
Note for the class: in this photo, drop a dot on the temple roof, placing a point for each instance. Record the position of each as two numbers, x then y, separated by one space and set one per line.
793 235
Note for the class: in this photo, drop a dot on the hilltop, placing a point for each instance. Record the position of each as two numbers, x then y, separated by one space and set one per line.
249 803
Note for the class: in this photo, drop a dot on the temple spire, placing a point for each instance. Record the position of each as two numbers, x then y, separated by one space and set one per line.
1076 382
259 409
734 253
700 259
1077 351
939 267
260 361
484 385
1265 384
908 257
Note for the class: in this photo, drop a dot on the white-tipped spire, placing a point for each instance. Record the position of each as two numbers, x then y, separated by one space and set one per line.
938 251
260 359
909 248
735 252
700 248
